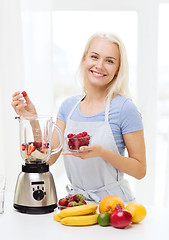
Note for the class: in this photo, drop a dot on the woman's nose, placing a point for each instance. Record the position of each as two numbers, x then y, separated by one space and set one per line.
100 64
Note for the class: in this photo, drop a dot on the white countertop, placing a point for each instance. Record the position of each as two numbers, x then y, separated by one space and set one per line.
15 225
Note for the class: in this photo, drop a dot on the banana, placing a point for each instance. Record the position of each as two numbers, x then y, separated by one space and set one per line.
80 220
56 217
78 210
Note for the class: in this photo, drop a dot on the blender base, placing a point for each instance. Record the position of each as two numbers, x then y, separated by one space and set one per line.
35 210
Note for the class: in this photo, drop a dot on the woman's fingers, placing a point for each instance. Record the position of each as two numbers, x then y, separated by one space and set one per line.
23 105
20 107
15 103
67 153
85 148
28 101
16 93
17 97
81 155
86 152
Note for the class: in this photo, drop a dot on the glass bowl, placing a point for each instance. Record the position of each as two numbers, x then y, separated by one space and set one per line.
74 141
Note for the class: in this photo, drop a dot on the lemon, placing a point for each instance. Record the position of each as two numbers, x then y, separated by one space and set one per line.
137 211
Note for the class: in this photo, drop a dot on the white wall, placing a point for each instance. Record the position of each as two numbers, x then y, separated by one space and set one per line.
11 75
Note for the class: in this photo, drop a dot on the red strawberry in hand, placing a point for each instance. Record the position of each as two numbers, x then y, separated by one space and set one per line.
24 94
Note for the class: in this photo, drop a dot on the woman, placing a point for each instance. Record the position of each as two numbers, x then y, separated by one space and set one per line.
108 115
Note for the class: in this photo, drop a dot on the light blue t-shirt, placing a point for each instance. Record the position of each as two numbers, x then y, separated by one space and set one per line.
124 117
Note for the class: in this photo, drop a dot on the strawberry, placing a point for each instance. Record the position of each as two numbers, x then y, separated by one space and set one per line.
23 147
68 197
70 200
84 202
73 204
80 197
43 149
63 202
37 144
24 94
30 149
75 198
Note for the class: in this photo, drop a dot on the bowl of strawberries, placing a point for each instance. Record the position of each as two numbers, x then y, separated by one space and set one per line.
75 141
71 201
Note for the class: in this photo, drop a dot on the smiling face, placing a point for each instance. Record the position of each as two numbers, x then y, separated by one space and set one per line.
101 62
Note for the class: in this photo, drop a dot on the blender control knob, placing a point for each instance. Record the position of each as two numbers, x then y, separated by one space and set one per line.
38 195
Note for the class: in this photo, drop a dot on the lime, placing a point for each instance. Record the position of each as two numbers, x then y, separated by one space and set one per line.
103 219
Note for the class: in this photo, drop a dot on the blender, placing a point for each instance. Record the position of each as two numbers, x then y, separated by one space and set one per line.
35 190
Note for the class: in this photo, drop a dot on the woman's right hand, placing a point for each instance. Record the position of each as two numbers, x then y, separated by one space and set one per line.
23 105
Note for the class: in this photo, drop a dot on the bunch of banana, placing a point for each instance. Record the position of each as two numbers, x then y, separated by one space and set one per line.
78 216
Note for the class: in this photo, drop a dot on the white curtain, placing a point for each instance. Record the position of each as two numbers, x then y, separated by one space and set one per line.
17 68
11 79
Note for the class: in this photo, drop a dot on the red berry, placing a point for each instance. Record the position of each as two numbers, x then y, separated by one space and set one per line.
70 135
37 144
63 202
24 94
70 200
23 147
30 149
84 134
84 202
75 141
43 149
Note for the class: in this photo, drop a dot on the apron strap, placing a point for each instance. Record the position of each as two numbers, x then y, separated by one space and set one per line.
107 109
75 106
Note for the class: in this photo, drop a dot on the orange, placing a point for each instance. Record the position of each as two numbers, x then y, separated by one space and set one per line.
108 204
137 211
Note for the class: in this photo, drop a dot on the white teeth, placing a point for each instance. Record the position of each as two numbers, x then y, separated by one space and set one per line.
98 74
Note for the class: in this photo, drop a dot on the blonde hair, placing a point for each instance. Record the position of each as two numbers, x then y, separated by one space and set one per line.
118 85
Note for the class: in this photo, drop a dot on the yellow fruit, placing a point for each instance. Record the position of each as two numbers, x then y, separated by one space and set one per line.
80 220
56 217
78 210
108 204
137 211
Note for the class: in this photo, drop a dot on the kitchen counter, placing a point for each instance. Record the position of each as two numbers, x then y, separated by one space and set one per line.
15 225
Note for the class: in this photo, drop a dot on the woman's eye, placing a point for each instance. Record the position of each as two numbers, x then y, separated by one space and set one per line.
94 56
109 61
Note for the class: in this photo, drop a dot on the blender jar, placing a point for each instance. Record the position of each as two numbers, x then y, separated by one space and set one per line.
36 134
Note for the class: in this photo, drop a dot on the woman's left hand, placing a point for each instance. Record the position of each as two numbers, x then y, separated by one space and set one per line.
86 152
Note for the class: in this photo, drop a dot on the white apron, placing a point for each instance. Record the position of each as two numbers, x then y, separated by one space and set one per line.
94 177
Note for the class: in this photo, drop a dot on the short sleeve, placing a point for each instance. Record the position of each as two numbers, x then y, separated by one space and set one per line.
62 111
66 106
130 118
